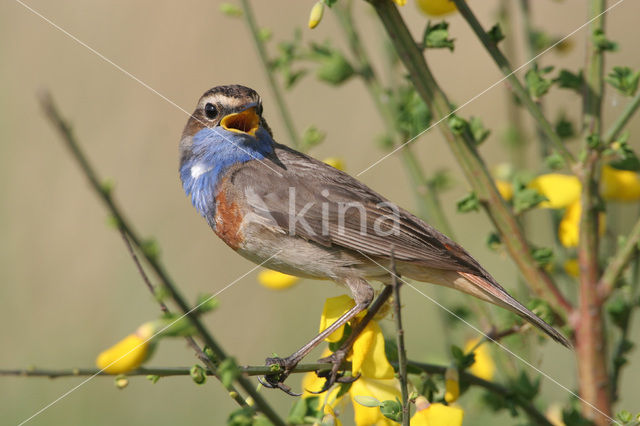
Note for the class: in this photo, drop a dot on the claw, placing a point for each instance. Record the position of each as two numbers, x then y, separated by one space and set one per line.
275 380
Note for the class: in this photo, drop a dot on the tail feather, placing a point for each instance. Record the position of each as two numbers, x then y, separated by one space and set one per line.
499 296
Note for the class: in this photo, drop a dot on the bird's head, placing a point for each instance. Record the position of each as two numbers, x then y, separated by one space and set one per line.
233 110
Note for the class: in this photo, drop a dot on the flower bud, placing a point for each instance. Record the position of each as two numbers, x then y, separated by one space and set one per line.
316 14
451 385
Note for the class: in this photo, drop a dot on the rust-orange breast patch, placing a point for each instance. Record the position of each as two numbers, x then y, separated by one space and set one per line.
228 221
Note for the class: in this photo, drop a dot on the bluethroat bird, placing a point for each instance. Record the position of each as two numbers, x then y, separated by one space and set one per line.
302 217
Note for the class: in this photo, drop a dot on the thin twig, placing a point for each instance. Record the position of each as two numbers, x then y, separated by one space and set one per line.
622 119
261 370
275 87
402 353
163 307
618 263
105 195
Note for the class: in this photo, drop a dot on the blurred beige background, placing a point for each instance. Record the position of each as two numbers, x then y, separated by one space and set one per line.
68 288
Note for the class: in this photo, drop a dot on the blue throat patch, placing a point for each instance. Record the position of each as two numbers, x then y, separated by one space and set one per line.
213 152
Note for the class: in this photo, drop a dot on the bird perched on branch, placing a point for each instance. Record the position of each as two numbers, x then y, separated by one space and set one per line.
299 216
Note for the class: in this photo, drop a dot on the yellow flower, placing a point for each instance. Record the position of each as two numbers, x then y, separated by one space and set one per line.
382 390
333 309
400 2
569 228
436 414
483 367
620 185
561 190
129 353
276 280
316 14
451 384
335 162
505 189
436 7
572 268
368 356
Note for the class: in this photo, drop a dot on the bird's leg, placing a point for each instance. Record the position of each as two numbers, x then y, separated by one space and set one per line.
338 357
363 295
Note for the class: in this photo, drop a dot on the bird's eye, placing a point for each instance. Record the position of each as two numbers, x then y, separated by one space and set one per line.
210 111
259 109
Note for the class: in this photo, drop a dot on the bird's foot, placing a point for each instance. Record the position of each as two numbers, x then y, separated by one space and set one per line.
281 368
334 375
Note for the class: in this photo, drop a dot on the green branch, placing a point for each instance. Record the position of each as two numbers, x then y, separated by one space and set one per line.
123 224
261 370
275 87
463 146
590 333
517 87
623 119
618 263
402 353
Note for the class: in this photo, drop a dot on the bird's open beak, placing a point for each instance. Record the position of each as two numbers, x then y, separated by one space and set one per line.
246 121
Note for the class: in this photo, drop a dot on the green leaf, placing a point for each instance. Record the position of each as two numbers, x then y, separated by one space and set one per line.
150 248
412 115
441 180
153 378
261 420
624 157
462 360
594 141
536 84
624 80
526 387
241 417
469 203
603 43
206 303
231 10
525 198
568 80
436 36
391 350
392 410
495 34
333 66
494 242
543 256
311 137
367 401
198 374
540 40
265 34
554 161
304 408
228 371
564 128
543 309
330 3
624 416
479 132
619 310
458 125
457 312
